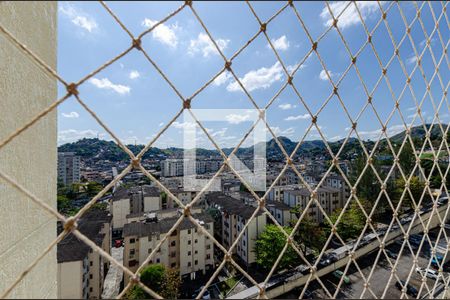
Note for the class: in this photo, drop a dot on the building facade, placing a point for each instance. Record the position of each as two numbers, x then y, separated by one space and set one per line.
187 249
81 271
68 167
235 214
329 199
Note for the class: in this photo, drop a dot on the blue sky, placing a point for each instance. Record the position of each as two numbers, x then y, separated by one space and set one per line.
136 103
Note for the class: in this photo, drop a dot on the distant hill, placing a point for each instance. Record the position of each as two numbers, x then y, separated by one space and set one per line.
101 149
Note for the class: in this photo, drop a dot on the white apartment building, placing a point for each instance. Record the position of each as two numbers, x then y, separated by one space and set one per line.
186 249
135 200
281 212
174 167
81 270
329 198
235 214
68 167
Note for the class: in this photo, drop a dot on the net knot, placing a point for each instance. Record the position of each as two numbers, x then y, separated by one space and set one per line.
70 224
137 44
187 104
72 89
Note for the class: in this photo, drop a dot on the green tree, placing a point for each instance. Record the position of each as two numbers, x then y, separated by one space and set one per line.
163 281
171 284
310 234
269 246
416 187
352 221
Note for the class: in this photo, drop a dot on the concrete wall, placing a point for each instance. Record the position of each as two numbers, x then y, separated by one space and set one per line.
120 210
70 280
25 229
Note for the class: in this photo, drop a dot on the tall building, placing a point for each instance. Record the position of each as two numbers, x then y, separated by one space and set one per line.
235 214
81 271
135 200
68 167
186 249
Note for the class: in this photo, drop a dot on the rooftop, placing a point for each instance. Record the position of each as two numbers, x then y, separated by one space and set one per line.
91 223
231 205
141 229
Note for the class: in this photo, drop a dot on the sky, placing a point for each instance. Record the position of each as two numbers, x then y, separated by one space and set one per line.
135 102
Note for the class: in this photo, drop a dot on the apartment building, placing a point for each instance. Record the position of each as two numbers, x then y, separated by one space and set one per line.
175 167
235 214
186 249
68 167
81 271
276 193
133 200
328 197
281 212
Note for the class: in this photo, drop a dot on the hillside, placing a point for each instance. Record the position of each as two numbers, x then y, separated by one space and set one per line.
101 149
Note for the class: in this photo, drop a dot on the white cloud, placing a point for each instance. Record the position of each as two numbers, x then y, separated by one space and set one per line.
423 113
262 78
78 17
424 42
375 134
280 44
299 117
222 78
350 16
72 135
105 83
236 118
134 74
204 45
411 60
336 138
279 132
163 33
323 75
72 115
184 125
286 106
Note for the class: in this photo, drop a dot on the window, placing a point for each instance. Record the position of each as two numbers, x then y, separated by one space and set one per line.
149 238
189 264
91 263
208 256
132 251
149 250
132 241
196 262
158 260
189 242
195 252
208 246
174 233
195 241
90 276
173 243
189 231
173 254
90 290
189 253
173 265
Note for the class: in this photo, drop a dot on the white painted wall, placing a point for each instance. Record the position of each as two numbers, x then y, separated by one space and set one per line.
25 229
